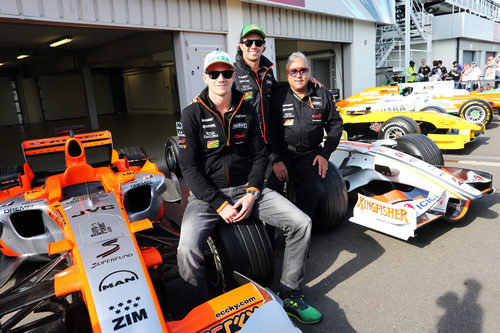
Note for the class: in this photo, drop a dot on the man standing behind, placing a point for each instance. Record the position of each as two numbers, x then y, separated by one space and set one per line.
223 160
254 74
301 114
424 71
411 72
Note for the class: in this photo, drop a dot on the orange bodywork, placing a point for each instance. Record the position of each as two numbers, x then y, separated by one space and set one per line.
230 309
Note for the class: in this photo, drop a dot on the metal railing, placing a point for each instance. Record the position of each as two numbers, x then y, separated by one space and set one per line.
484 8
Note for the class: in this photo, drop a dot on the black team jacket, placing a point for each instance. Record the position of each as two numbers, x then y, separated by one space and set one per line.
256 89
218 151
299 124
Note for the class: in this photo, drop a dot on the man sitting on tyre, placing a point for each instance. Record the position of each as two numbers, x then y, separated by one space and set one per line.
302 112
223 159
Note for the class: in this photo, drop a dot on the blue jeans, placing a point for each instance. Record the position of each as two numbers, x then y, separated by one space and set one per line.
272 208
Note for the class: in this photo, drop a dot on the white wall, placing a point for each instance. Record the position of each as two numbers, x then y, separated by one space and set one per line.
464 25
445 50
359 59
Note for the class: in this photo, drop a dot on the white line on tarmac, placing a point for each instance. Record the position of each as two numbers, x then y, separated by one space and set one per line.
494 164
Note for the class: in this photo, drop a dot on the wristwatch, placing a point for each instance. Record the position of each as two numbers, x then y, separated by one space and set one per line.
256 194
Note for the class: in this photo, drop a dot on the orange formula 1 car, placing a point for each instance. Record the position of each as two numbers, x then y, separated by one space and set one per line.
87 218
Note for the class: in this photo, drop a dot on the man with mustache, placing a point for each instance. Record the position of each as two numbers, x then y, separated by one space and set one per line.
301 115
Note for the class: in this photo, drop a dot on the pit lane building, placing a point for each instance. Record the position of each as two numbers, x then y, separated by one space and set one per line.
144 56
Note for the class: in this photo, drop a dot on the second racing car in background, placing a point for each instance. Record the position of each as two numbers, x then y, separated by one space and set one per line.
438 96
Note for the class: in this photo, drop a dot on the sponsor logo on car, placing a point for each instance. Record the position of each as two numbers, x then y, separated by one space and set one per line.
233 324
116 279
375 127
93 210
99 228
109 243
235 307
382 209
130 312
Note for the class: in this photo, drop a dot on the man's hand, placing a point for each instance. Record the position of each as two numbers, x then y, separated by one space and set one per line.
322 165
228 213
315 82
246 202
280 171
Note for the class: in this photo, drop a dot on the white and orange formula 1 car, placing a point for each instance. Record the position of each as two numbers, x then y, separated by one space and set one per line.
398 191
439 96
84 225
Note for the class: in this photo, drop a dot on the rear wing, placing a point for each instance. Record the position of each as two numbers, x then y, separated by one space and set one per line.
48 153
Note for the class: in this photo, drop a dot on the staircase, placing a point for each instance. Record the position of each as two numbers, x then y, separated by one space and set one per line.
394 41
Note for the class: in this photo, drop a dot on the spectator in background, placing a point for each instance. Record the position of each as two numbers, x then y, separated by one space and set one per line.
474 75
411 72
424 71
455 75
497 71
489 73
444 71
465 76
459 67
435 72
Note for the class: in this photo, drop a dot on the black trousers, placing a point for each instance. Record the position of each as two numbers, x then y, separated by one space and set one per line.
305 177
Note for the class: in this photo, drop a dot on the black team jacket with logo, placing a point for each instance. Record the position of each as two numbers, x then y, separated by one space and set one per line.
256 89
218 151
300 124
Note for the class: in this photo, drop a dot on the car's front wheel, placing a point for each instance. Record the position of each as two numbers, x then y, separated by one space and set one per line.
397 127
421 147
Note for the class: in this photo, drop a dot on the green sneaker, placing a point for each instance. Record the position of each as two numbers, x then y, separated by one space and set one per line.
296 307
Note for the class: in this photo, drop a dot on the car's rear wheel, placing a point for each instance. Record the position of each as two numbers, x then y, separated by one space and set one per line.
434 108
243 247
333 201
476 111
421 147
172 155
397 127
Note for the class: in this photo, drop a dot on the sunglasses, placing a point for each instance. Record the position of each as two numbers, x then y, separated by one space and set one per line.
293 72
214 75
249 42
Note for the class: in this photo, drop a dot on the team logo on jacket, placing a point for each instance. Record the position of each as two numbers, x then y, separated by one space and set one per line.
239 125
213 144
288 122
248 95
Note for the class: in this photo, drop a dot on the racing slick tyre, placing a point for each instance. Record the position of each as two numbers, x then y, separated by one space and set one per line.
172 155
397 127
421 147
434 108
476 111
243 247
135 155
333 202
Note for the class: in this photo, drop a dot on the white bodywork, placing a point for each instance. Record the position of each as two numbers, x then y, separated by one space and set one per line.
361 163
